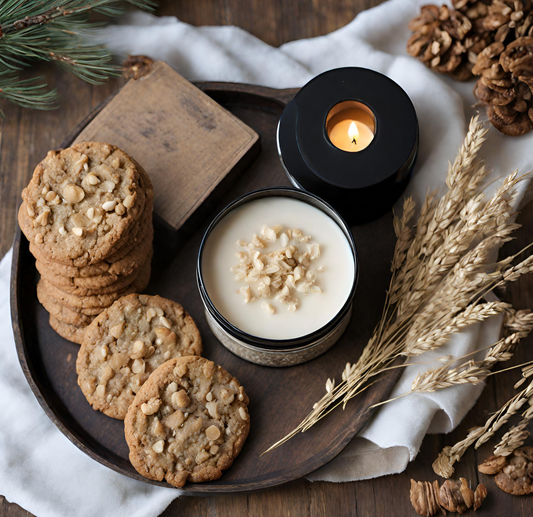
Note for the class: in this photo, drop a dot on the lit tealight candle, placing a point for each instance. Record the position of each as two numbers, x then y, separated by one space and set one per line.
350 128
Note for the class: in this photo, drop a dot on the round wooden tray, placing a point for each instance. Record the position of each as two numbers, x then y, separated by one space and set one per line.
279 397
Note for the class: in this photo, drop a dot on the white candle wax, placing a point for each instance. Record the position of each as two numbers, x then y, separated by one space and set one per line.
335 265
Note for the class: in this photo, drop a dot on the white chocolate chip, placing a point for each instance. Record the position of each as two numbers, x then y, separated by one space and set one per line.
139 350
138 366
128 201
119 209
172 387
150 314
165 322
73 193
181 399
212 409
107 186
92 179
42 219
104 350
109 205
78 231
62 230
51 197
151 407
227 398
40 202
212 432
201 457
209 397
100 390
159 446
117 330
243 414
90 213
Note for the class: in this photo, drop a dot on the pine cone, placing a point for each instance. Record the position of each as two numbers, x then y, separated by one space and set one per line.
444 41
511 19
505 85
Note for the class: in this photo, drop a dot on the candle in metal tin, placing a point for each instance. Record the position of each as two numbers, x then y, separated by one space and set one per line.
350 135
277 271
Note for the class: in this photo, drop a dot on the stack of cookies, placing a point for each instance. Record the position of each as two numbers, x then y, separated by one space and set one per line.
87 213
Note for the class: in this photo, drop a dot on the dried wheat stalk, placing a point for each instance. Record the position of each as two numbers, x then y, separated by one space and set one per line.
443 465
520 325
441 271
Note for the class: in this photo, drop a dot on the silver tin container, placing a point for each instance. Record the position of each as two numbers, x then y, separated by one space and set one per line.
269 352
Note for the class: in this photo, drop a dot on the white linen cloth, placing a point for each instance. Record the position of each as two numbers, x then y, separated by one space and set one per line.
47 475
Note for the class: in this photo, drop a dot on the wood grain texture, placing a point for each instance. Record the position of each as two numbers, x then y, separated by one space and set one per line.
193 148
42 353
26 136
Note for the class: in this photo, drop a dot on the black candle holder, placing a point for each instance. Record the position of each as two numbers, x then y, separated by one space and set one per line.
361 185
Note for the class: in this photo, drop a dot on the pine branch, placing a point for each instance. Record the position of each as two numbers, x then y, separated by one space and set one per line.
56 31
28 93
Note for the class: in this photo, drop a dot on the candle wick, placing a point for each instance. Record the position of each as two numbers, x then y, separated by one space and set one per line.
354 141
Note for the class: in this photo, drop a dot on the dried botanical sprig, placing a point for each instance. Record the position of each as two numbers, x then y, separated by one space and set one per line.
441 270
473 372
53 30
443 465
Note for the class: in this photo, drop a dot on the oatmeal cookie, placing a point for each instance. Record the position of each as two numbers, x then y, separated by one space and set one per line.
88 286
61 312
69 332
126 343
113 270
99 301
81 201
188 422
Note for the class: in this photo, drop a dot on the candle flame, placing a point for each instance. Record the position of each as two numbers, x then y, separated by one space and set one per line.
353 132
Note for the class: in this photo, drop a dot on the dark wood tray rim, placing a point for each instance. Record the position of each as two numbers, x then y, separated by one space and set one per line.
277 98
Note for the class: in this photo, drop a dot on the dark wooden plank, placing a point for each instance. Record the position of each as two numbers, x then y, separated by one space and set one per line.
274 21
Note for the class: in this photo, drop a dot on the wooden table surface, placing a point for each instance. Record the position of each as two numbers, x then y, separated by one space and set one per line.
26 136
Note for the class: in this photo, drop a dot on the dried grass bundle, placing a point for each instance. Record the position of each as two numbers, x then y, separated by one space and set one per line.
441 273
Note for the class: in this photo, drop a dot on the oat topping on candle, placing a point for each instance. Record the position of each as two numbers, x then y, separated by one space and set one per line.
278 274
